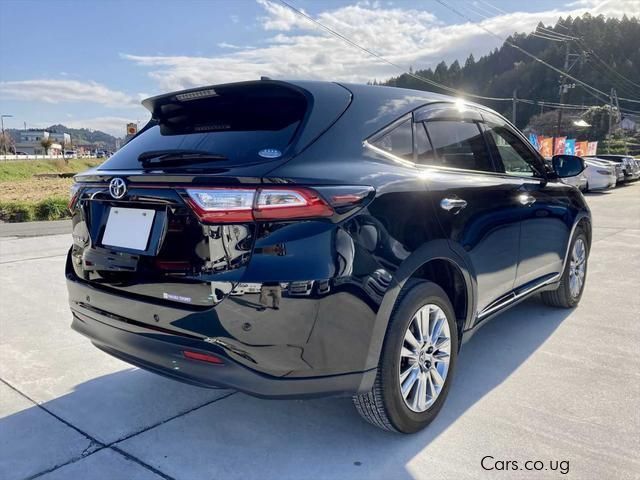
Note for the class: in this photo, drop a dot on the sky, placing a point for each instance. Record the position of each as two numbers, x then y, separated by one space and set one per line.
89 63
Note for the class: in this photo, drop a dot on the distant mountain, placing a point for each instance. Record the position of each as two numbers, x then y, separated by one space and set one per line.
78 136
604 54
85 135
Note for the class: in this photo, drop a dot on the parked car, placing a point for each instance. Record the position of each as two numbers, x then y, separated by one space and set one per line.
617 166
569 174
370 230
599 175
629 166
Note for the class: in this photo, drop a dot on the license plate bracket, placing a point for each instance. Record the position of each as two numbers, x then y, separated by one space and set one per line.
128 228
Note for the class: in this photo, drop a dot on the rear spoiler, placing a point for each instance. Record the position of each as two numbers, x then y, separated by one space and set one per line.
326 102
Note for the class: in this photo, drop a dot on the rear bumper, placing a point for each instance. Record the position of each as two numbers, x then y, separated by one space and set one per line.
162 353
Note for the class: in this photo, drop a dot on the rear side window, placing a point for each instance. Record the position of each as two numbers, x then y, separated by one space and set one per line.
459 144
398 141
426 155
235 122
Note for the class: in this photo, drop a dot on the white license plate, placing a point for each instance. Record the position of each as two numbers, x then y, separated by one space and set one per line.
128 228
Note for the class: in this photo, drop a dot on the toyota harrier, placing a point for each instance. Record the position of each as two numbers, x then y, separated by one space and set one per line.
304 239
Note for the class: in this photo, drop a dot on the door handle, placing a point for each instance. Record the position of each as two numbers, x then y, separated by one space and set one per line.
449 204
526 199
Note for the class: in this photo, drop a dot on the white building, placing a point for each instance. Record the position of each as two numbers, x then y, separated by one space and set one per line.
628 124
30 142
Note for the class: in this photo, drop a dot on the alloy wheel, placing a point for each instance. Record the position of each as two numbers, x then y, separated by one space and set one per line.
424 358
577 267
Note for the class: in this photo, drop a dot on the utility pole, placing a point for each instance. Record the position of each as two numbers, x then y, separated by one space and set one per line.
619 119
4 145
514 101
562 90
614 106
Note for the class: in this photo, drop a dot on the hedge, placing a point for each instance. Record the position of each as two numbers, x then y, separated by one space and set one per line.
48 209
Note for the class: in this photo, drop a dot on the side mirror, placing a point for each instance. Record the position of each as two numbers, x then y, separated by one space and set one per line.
567 165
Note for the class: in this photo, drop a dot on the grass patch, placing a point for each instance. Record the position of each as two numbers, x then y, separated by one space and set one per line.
48 209
12 170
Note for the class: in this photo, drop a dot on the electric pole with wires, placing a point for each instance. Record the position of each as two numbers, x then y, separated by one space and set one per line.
564 87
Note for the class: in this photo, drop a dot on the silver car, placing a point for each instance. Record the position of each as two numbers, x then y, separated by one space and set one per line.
600 176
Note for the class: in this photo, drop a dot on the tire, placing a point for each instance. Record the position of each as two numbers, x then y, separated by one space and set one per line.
563 297
385 406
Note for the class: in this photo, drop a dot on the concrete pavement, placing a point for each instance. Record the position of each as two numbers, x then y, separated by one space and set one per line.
535 384
35 229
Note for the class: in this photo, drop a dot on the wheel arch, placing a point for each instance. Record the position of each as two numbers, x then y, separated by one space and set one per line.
437 262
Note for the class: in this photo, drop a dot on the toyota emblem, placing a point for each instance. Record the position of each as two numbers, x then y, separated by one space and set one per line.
117 188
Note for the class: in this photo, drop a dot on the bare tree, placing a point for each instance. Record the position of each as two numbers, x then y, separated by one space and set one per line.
46 143
6 143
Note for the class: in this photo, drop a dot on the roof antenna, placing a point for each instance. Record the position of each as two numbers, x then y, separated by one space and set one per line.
262 78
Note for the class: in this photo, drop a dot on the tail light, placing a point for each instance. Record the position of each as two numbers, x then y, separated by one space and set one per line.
74 193
236 205
203 357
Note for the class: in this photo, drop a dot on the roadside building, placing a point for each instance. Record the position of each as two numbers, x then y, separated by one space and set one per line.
31 142
628 124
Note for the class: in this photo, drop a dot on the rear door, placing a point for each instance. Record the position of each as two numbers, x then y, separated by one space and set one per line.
477 208
546 218
137 227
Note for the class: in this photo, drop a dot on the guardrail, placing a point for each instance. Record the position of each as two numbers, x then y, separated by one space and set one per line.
42 157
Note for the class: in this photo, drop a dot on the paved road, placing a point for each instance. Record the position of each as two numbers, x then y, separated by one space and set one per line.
35 229
535 384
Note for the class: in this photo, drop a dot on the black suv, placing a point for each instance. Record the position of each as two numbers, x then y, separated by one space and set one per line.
302 239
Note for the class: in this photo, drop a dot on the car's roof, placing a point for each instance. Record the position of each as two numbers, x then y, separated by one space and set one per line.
376 105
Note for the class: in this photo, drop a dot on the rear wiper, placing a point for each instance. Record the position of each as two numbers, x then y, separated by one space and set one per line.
177 157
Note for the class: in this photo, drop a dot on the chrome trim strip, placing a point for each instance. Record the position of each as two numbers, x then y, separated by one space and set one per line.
516 296
419 166
529 290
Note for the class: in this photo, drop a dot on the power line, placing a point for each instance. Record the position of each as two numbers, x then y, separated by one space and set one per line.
381 58
591 51
577 39
517 47
418 77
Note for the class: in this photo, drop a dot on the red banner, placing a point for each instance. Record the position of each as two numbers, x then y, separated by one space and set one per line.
559 147
582 148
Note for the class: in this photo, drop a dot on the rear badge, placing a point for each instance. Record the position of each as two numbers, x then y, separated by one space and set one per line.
176 298
270 153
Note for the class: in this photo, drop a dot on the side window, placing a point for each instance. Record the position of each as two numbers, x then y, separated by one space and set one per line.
398 141
459 144
516 158
426 155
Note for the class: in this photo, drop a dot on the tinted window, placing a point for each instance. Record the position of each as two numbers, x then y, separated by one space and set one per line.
234 124
516 158
459 144
398 141
426 155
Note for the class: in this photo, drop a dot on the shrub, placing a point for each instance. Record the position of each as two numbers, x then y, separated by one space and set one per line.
51 209
16 212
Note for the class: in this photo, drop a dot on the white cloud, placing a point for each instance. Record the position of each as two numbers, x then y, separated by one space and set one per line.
299 49
61 91
231 46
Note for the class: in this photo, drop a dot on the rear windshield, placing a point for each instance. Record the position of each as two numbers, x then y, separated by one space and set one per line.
235 123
